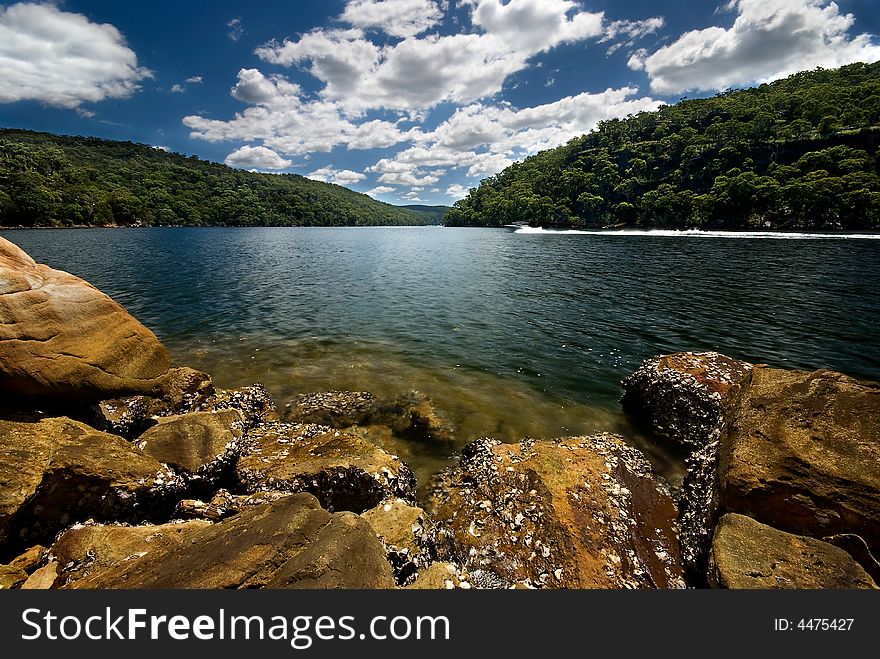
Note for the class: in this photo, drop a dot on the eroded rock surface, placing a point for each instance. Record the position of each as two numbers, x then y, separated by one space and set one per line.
343 471
748 554
582 512
199 445
291 543
61 337
57 472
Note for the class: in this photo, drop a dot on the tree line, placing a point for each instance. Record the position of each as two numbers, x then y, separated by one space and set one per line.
52 180
800 153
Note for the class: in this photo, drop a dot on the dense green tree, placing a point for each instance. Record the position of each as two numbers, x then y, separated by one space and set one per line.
52 180
798 153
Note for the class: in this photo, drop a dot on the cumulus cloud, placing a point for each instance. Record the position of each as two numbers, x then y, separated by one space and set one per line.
770 39
380 190
257 157
372 88
339 177
63 59
457 191
397 18
280 118
485 139
419 73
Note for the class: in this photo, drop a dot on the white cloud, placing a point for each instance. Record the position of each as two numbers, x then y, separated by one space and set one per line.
634 29
195 80
534 26
256 157
485 139
63 59
770 39
409 76
419 73
380 190
178 89
457 191
339 177
236 29
283 121
397 18
413 196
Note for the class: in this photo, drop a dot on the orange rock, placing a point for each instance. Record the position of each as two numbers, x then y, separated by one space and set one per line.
62 337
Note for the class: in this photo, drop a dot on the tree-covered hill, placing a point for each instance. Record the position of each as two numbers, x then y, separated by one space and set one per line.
51 180
437 212
800 153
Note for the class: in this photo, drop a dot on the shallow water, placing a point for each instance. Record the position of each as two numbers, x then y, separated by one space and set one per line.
510 334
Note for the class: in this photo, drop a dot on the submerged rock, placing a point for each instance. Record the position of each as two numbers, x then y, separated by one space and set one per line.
411 417
748 554
582 512
60 337
343 471
57 472
291 543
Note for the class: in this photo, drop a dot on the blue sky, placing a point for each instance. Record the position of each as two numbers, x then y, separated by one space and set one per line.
411 101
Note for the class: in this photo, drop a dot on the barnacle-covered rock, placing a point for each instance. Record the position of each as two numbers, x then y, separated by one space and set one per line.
407 534
684 397
57 472
580 512
343 471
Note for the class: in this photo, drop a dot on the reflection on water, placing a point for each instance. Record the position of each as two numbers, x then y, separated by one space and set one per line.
510 334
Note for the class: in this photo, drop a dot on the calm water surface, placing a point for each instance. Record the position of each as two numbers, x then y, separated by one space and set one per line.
509 334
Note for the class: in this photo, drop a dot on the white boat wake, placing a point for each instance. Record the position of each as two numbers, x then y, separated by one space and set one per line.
696 233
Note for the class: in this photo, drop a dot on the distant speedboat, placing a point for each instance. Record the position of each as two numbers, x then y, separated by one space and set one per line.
516 226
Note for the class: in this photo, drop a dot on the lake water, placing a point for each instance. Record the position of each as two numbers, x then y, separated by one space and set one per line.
510 334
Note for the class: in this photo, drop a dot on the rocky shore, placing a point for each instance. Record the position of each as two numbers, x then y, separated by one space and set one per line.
118 470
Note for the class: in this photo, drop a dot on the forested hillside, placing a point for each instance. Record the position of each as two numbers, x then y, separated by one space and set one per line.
51 180
798 153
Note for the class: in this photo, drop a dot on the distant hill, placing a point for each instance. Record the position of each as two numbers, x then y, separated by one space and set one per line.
437 213
800 153
52 180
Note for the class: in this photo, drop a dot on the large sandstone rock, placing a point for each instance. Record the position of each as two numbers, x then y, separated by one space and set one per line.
583 512
61 337
748 554
411 417
57 472
292 543
343 471
803 455
683 397
798 451
198 445
85 551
